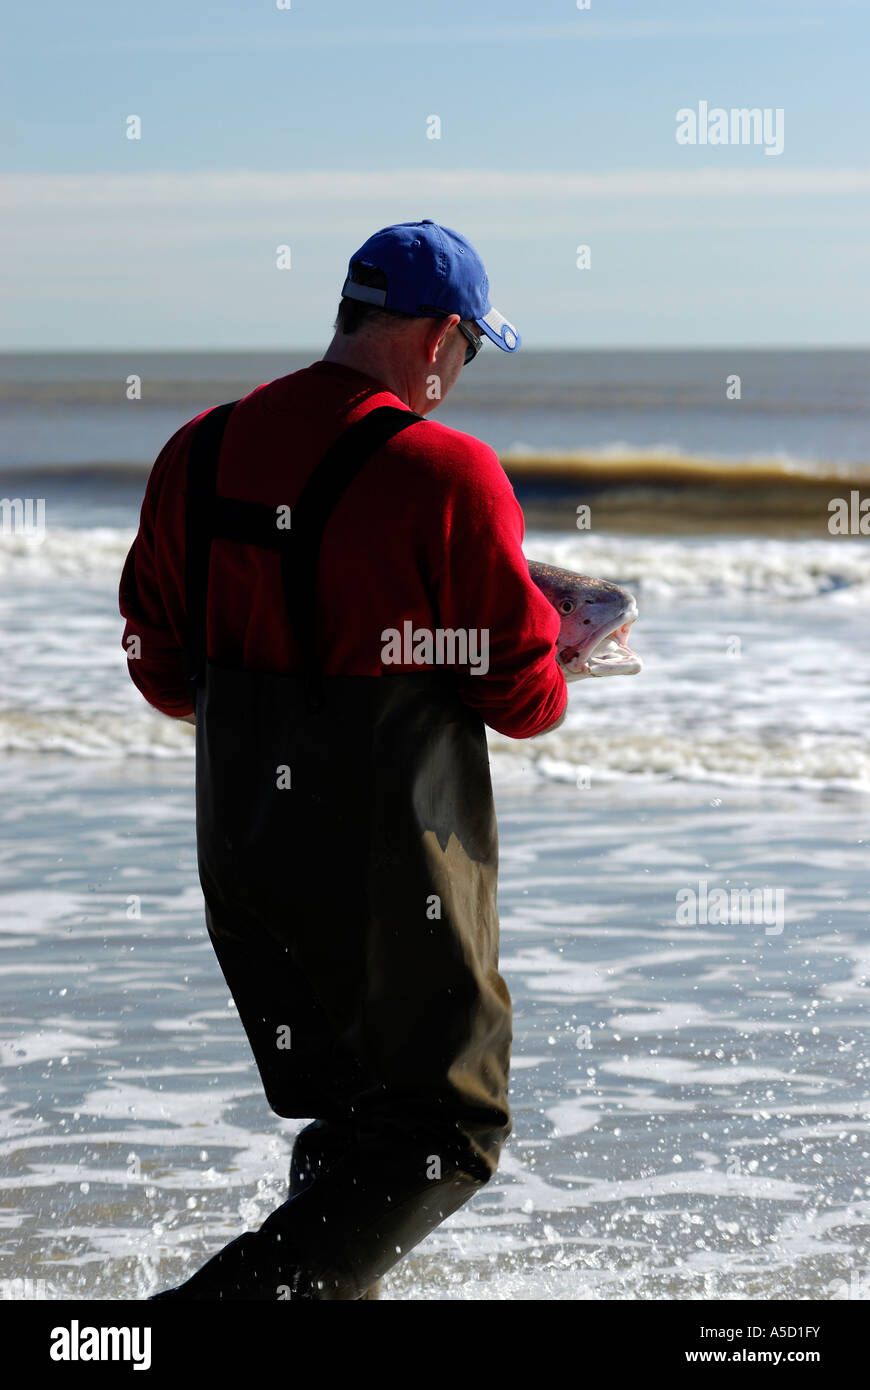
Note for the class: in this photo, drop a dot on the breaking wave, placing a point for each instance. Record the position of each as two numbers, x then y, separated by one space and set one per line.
569 755
651 565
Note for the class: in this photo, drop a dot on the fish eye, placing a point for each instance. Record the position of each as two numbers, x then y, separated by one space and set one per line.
566 605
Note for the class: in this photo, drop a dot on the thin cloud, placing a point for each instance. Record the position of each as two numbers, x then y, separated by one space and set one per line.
210 189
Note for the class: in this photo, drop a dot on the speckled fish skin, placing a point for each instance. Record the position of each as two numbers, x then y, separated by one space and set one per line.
596 616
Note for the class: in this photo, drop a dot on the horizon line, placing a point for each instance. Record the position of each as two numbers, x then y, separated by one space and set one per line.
542 347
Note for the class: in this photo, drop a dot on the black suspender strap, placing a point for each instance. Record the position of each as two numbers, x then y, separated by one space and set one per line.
254 523
326 485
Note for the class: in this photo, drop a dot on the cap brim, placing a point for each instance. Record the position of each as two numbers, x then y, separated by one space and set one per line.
499 330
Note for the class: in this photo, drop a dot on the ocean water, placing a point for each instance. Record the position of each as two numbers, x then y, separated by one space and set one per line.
691 1111
690 1101
803 405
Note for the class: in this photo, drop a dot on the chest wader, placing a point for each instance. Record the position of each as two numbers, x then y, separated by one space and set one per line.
347 851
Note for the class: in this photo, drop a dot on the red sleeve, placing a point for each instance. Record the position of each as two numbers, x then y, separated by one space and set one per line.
152 589
485 584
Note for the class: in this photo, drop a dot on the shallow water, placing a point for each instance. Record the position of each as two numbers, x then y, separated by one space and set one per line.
690 1103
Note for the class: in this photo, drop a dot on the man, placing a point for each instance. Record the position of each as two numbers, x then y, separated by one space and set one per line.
332 588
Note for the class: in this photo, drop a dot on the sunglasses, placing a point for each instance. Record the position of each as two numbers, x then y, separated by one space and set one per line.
474 344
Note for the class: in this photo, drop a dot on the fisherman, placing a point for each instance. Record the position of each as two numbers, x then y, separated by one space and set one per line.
346 834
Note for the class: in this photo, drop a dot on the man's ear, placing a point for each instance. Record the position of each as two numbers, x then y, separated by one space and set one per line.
437 333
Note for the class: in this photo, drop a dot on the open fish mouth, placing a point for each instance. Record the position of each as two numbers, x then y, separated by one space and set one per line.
607 653
595 617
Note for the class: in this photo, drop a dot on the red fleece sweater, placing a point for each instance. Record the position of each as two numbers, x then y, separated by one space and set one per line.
429 530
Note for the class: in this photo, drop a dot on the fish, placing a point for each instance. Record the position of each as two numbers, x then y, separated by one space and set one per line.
596 617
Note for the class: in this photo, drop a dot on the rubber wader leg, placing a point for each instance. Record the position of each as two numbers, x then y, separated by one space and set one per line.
342 1232
318 1146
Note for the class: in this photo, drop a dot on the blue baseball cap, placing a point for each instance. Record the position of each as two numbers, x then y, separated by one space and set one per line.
430 271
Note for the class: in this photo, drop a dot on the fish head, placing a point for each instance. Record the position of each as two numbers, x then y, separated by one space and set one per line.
595 620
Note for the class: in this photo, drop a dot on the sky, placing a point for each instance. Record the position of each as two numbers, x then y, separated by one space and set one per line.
310 126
